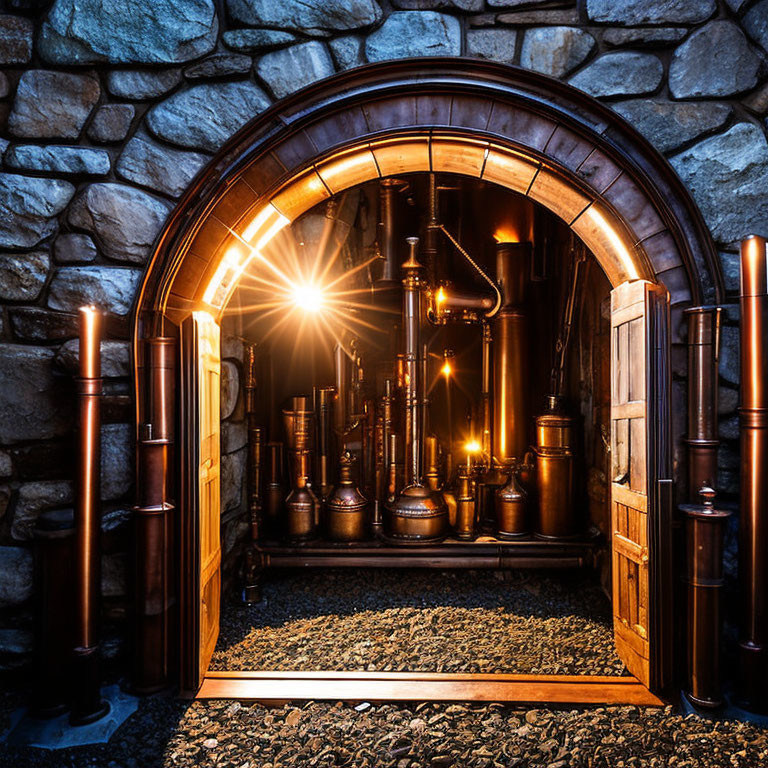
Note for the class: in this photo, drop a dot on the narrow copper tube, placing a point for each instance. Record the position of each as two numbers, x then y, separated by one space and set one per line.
753 522
88 705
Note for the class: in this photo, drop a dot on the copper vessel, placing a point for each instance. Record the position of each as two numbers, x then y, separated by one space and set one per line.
346 508
702 438
301 512
555 516
465 522
274 491
510 354
511 507
753 520
705 533
418 515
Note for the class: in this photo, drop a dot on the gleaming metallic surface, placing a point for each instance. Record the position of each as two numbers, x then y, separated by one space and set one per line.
346 509
512 507
324 465
753 520
555 514
274 488
465 522
87 702
702 434
705 533
510 355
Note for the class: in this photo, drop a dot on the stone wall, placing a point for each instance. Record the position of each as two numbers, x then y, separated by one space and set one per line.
108 110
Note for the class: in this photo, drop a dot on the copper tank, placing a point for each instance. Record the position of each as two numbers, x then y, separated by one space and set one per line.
346 507
465 507
511 507
555 516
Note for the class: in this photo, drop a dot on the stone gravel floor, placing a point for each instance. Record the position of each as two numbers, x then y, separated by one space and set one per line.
556 622
168 733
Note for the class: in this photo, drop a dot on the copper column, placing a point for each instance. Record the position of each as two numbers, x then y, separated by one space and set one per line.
510 355
155 598
703 342
753 523
88 704
255 444
705 531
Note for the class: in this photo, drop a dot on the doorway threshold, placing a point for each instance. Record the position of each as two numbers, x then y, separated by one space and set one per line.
426 686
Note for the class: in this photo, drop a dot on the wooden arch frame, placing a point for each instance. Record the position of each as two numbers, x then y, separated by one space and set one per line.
509 126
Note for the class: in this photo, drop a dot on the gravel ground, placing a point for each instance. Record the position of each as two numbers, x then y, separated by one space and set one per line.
422 621
170 733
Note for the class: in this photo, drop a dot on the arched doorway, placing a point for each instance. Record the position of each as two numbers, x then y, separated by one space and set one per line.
510 127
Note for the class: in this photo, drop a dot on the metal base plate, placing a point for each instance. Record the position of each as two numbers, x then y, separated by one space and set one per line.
58 733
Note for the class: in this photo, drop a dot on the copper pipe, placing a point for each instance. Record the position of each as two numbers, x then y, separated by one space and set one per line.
389 232
273 488
702 440
88 704
753 419
324 469
485 395
368 452
510 354
705 532
155 597
341 409
465 507
431 466
255 459
412 329
393 469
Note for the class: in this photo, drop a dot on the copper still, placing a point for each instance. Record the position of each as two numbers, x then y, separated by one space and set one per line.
555 518
512 506
465 507
274 491
346 508
705 533
302 505
418 515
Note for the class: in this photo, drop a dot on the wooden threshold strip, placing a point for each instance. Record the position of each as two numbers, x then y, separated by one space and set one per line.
425 686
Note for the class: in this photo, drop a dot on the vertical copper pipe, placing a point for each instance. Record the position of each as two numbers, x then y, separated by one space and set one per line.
389 232
412 328
155 598
324 465
485 395
393 481
510 354
753 523
88 704
703 339
431 459
274 492
255 444
341 409
705 532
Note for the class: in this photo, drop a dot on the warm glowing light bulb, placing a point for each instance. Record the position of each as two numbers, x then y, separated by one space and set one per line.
472 447
440 298
446 370
308 297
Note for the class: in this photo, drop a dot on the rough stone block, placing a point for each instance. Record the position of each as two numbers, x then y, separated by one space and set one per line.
111 288
23 275
15 576
28 207
163 169
55 158
74 249
128 32
414 33
205 116
111 123
15 39
630 12
124 221
257 40
52 104
620 74
219 65
493 44
555 51
139 85
290 69
715 60
34 498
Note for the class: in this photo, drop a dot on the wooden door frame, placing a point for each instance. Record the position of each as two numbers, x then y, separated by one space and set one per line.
269 686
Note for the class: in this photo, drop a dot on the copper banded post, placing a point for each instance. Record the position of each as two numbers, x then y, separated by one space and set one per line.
753 523
88 705
702 440
154 516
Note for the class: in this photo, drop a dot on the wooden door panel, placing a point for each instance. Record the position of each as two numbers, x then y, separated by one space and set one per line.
201 519
639 464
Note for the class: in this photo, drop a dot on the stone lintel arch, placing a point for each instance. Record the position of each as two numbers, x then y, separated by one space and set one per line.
511 126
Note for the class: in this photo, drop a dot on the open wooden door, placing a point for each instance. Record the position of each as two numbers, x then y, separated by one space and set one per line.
641 480
201 496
